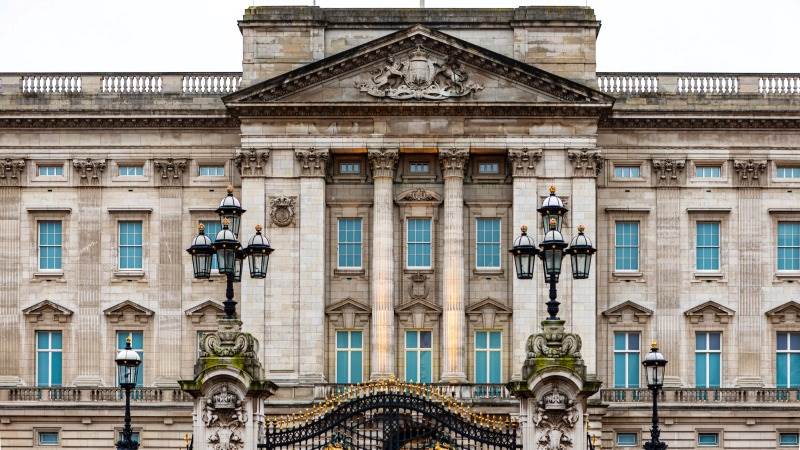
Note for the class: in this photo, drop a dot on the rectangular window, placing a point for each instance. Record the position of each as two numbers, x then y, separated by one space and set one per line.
789 440
51 171
212 227
788 245
788 171
419 244
626 172
626 246
787 361
137 343
350 168
488 357
212 171
707 249
47 437
349 357
627 439
708 439
489 168
50 245
131 171
487 242
134 436
708 359
707 171
48 358
349 244
130 245
418 356
626 359
419 167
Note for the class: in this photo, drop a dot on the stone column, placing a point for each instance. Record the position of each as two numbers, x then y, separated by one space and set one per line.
11 173
525 319
453 161
382 347
312 267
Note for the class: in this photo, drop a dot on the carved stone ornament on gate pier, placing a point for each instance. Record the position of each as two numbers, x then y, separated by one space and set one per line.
419 77
554 342
224 414
228 342
555 416
281 210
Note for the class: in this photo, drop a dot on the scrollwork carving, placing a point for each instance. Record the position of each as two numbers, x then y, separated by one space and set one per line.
281 210
89 170
11 171
251 161
170 170
749 172
554 342
224 414
312 162
585 163
524 161
453 161
383 162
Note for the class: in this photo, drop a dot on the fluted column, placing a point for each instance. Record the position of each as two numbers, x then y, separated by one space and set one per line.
11 173
382 348
524 292
453 161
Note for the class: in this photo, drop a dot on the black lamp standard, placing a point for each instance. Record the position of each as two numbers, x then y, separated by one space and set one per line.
229 251
128 362
552 250
654 364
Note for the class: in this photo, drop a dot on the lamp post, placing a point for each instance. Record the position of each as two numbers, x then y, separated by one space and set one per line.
128 362
229 251
552 250
654 364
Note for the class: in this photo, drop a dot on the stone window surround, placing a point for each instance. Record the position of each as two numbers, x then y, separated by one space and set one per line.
475 211
423 210
337 210
781 276
205 181
114 166
134 428
727 350
644 172
404 169
773 169
502 324
33 172
628 215
645 335
724 168
636 431
771 343
722 216
119 215
338 177
36 215
783 430
362 324
474 168
718 431
436 346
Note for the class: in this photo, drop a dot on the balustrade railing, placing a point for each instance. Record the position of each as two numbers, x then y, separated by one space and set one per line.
98 394
703 395
621 84
134 83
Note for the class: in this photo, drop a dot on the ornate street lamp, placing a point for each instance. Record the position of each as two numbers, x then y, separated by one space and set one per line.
229 251
654 365
552 250
128 362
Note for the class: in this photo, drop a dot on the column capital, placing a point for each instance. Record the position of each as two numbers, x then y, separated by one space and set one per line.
750 172
668 171
11 171
585 162
170 170
312 161
453 161
89 169
524 161
251 161
383 161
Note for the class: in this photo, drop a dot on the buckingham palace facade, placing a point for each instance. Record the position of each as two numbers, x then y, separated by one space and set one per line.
391 157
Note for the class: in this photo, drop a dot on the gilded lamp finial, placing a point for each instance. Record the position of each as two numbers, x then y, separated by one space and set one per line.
654 345
201 228
524 229
226 222
129 339
258 228
581 228
230 189
552 190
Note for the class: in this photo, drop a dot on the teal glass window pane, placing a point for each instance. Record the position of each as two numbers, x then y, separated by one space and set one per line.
782 370
707 249
619 341
349 357
425 367
714 341
51 171
626 246
714 369
708 171
480 339
794 370
619 371
419 243
130 245
50 245
355 339
495 340
131 171
412 369
350 168
55 367
342 367
626 439
788 245
411 339
42 340
700 369
633 341
341 339
708 439
137 344
481 369
425 339
42 369
488 243
788 172
212 171
356 366
350 243
489 167
48 438
626 171
419 167
789 439
212 227
494 367
783 341
633 370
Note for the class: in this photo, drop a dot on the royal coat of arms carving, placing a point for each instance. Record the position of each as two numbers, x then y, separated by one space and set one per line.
420 76
282 211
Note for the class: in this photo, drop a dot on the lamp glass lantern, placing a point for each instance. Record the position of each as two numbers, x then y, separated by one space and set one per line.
202 253
238 263
230 209
655 365
552 212
227 248
128 362
258 251
552 253
524 251
580 251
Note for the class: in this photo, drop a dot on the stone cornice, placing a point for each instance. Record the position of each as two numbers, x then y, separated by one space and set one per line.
453 161
251 161
758 120
585 163
383 162
524 161
668 172
11 170
89 170
312 161
219 122
750 172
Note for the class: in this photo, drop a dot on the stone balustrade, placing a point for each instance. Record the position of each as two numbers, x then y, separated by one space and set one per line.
92 394
137 83
623 84
703 395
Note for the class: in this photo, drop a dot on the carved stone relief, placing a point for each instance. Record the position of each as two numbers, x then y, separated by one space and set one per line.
170 170
554 342
420 76
524 161
224 414
11 171
668 171
585 163
281 210
251 161
418 289
453 161
383 162
418 195
312 162
89 170
750 172
555 416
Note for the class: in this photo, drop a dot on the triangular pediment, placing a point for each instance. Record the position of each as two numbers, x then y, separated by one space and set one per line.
628 311
128 311
787 312
416 65
45 310
488 304
418 195
348 304
418 305
709 311
208 308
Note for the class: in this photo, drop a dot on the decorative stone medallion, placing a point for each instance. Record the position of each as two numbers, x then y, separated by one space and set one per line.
555 416
281 211
224 414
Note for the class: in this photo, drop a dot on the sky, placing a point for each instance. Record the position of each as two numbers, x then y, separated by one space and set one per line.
202 35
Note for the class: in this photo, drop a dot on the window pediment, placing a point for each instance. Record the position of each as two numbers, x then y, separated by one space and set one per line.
709 312
788 312
47 311
418 195
348 310
419 312
487 310
205 310
128 311
628 311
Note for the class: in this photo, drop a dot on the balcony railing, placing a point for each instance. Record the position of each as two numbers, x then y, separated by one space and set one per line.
97 394
701 395
133 83
624 84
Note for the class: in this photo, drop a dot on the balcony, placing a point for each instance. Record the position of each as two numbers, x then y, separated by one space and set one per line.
135 83
759 396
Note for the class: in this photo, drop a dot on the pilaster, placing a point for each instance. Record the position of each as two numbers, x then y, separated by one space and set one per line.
453 162
168 277
11 172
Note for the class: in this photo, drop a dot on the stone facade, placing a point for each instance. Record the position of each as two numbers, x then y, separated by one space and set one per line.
336 114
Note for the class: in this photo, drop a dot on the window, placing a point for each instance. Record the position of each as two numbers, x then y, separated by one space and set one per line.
708 439
212 171
130 245
708 171
788 360
627 246
350 168
487 244
419 167
50 245
788 171
47 437
488 352
626 360
134 436
707 248
349 357
626 172
627 439
788 245
489 168
212 227
707 357
349 245
51 171
137 344
418 357
419 244
789 440
48 358
131 171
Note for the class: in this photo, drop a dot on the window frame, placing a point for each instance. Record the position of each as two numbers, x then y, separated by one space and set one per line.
788 352
418 351
212 236
39 245
635 435
778 247
360 267
139 351
408 243
39 431
349 349
717 434
630 168
50 351
119 245
412 163
638 246
488 350
129 166
499 244
697 246
202 165
698 171
782 433
708 352
349 162
626 352
792 167
41 166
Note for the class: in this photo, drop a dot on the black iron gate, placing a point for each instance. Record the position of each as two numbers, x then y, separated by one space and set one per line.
390 415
